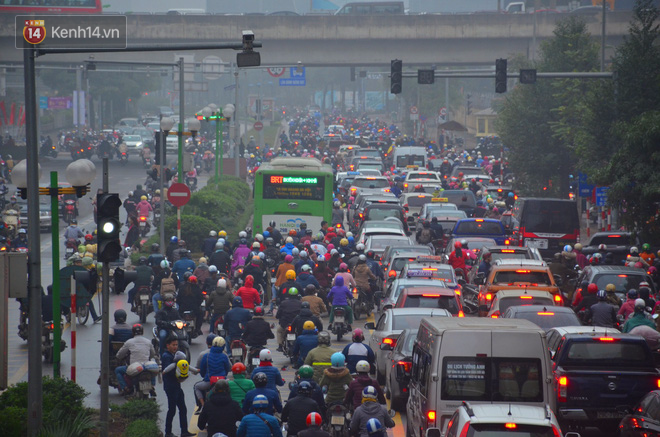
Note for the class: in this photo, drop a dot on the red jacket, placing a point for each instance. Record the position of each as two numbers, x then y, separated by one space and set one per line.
249 294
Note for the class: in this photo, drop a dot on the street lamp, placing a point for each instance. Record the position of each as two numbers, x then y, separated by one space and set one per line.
166 124
80 175
194 126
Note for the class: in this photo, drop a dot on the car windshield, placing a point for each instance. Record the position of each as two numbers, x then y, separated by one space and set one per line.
371 183
416 176
610 240
132 138
383 213
432 300
474 227
507 302
418 201
610 353
502 430
549 319
622 281
521 275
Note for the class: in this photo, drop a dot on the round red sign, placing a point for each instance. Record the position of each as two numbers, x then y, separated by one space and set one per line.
178 194
258 126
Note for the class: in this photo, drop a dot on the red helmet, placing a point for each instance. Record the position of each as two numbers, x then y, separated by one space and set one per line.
238 368
192 279
314 419
458 245
258 311
89 237
460 174
592 288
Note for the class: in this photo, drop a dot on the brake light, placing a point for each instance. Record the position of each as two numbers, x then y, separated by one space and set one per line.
508 250
289 328
510 425
658 383
382 201
526 297
495 315
361 215
478 220
431 416
461 313
562 389
558 299
429 269
522 271
507 242
387 190
407 366
622 276
390 341
458 292
430 295
606 339
405 185
489 296
614 236
543 313
392 274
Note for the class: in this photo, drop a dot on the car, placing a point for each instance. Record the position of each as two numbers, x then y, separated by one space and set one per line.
497 192
465 169
427 207
503 252
130 122
394 249
398 260
544 316
373 154
431 296
378 243
369 184
390 226
133 142
504 419
420 177
389 325
45 215
383 210
616 243
356 211
465 200
642 420
394 289
504 299
480 227
397 374
508 273
370 164
412 203
623 278
430 267
475 244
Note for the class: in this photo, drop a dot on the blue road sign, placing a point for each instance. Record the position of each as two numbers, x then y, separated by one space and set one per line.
43 102
585 189
295 74
293 82
601 195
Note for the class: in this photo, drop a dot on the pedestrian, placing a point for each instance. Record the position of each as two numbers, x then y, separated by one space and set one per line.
221 412
173 363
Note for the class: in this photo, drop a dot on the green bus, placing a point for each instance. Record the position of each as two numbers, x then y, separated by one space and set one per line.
291 191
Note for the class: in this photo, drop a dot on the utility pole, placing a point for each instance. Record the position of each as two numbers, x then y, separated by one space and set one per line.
236 125
105 327
602 38
181 120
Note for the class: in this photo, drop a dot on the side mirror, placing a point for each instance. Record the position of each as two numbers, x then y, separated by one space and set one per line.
369 325
461 281
385 347
433 432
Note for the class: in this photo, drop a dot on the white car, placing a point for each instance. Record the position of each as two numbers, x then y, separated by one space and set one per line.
369 184
133 142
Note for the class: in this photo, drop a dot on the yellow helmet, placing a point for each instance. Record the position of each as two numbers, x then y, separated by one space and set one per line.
291 274
222 234
182 370
143 197
489 200
309 325
610 288
343 242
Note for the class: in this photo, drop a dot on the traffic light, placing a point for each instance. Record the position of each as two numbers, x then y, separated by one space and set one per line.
396 76
528 76
500 75
425 77
352 74
108 227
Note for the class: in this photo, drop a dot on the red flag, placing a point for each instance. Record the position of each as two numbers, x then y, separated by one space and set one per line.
4 111
11 114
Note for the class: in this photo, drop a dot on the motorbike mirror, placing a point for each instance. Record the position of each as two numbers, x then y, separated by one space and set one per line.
369 325
461 281
392 413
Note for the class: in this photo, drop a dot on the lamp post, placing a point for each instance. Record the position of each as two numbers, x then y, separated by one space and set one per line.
79 174
194 126
228 112
166 124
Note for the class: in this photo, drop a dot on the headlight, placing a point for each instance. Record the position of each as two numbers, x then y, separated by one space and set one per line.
139 144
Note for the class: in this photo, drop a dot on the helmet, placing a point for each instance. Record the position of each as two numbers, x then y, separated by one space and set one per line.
611 288
256 245
303 254
314 419
359 247
592 288
143 261
221 386
646 247
362 366
143 197
602 294
272 223
219 245
371 254
634 250
258 312
295 251
358 335
306 371
260 402
343 242
632 294
259 237
155 247
173 239
182 243
209 339
577 246
222 283
137 329
238 302
568 248
639 303
337 359
369 392
260 379
212 234
120 316
374 426
219 342
306 304
343 267
362 258
222 234
458 245
187 276
288 259
309 325
265 355
164 264
293 291
213 269
238 368
192 279
305 388
324 338
242 234
288 240
89 237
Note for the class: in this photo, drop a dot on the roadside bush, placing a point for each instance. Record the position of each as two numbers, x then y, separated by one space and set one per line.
193 229
142 428
61 425
138 409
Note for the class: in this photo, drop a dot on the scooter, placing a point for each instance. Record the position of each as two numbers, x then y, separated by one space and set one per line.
141 375
48 340
147 162
238 352
144 225
191 328
142 303
69 210
338 419
178 329
362 305
123 158
289 344
70 247
253 360
339 326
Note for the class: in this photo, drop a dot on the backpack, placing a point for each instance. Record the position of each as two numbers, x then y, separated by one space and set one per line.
167 285
425 236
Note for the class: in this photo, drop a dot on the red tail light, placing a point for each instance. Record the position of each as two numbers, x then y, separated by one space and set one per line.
489 296
461 313
289 329
558 300
407 366
562 388
510 426
430 418
390 341
392 274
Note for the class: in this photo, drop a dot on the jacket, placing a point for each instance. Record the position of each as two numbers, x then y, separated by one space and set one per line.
202 273
257 332
258 275
638 319
222 260
215 363
354 393
349 281
221 300
323 276
274 403
317 394
301 262
316 305
305 343
140 349
287 249
220 414
362 275
190 298
165 316
283 292
182 266
232 319
319 359
305 315
208 246
295 413
339 295
627 308
239 386
355 352
272 372
287 311
603 314
259 425
313 431
305 279
337 380
280 274
249 294
370 410
240 255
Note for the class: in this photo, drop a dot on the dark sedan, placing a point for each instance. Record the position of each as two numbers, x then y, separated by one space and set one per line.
644 420
397 375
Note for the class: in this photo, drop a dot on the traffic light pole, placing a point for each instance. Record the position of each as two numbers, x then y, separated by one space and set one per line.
105 327
181 123
55 234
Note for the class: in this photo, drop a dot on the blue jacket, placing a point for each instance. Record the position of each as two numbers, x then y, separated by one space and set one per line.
215 363
182 266
169 379
253 426
235 316
339 294
304 279
273 398
355 352
287 248
273 374
298 266
305 343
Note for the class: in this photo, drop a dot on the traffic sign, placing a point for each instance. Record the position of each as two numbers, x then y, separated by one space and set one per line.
601 195
414 110
258 126
297 73
585 189
293 82
276 71
443 111
212 67
178 194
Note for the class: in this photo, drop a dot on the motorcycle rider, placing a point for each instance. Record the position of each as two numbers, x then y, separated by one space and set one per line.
485 265
340 296
249 294
179 252
73 232
305 277
208 245
165 281
281 274
337 214
190 298
163 318
260 381
221 259
363 380
304 316
364 277
221 412
213 366
120 331
240 255
296 409
638 318
171 247
628 306
259 423
602 313
349 281
211 280
257 331
286 313
140 350
143 207
220 300
266 366
184 265
368 417
236 319
587 301
240 385
21 240
143 279
647 254
336 378
314 422
316 304
358 351
155 258
305 342
12 205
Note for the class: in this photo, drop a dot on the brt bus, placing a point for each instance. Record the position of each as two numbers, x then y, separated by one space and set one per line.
292 191
51 6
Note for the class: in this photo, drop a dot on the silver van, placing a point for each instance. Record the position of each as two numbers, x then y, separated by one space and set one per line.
477 360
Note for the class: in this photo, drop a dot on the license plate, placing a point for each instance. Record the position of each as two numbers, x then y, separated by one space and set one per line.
145 385
608 415
339 319
337 420
237 351
536 243
291 337
144 299
255 361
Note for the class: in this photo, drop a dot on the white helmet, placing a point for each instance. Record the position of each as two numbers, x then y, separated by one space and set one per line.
242 234
259 237
213 234
288 240
164 264
222 283
362 366
265 355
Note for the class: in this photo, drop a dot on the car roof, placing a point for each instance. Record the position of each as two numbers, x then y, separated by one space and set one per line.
501 248
616 269
437 288
508 262
474 219
564 330
420 311
506 412
514 292
380 223
537 308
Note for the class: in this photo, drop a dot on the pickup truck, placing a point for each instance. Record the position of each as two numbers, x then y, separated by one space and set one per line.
480 227
599 375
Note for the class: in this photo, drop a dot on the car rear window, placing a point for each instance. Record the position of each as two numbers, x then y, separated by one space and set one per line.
622 281
550 216
383 213
370 183
611 240
549 319
406 321
479 228
432 300
432 272
521 275
514 255
416 201
501 430
610 353
382 243
416 176
507 302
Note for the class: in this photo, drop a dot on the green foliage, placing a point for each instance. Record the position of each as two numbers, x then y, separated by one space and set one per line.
62 425
193 229
137 409
13 420
142 428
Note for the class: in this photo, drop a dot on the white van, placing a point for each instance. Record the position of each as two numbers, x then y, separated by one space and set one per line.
409 157
479 360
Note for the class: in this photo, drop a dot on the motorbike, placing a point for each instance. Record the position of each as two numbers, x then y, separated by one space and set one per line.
253 360
363 304
289 344
70 247
47 341
178 329
69 210
23 325
123 158
142 304
144 225
238 352
142 381
191 328
470 299
338 419
192 183
48 150
146 161
339 326
12 222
